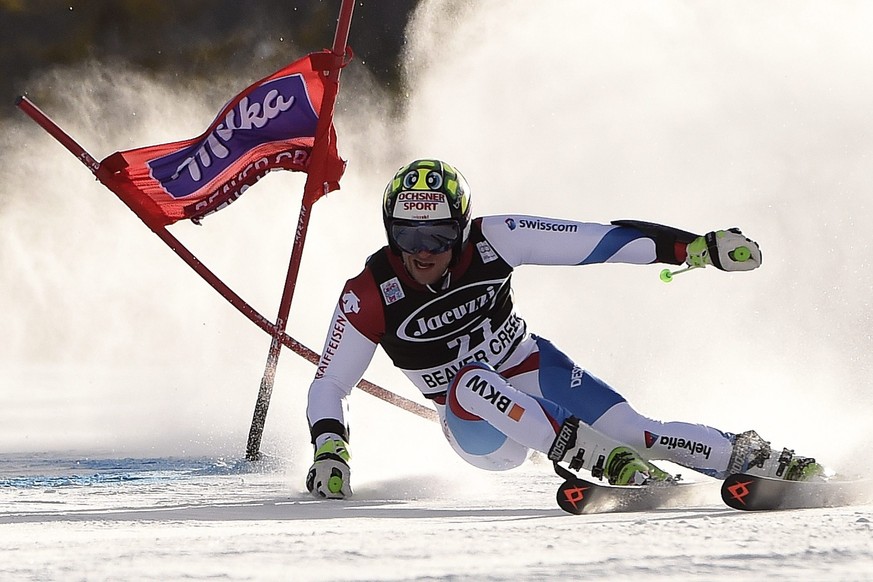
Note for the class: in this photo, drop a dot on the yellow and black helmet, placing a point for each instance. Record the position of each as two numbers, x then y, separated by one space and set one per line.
426 207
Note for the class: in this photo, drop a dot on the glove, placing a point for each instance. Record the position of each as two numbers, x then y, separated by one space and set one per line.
329 475
728 250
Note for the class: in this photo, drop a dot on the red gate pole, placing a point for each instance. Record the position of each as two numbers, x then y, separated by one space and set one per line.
314 183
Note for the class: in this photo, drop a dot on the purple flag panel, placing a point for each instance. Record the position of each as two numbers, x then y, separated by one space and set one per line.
269 126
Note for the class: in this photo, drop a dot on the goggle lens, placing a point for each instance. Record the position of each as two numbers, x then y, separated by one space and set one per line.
433 237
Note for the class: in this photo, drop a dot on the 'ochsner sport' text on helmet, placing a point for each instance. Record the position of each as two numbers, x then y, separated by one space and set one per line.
429 194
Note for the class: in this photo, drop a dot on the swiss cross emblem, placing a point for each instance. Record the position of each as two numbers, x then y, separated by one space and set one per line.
351 303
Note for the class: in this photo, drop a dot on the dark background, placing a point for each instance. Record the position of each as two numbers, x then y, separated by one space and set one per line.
191 38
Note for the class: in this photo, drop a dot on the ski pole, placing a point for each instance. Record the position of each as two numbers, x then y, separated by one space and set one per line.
739 254
667 274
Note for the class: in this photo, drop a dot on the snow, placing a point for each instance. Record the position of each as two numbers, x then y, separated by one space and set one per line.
199 519
127 385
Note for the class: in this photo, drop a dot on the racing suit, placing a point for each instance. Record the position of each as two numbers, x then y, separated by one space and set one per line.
436 334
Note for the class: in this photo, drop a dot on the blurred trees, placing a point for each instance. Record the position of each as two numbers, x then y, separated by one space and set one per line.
190 37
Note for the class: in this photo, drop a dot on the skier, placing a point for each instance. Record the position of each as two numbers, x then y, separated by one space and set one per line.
438 300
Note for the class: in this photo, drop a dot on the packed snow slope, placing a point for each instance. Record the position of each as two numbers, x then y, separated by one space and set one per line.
200 518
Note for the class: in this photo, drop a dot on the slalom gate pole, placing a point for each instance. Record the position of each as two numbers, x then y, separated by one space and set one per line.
191 260
314 180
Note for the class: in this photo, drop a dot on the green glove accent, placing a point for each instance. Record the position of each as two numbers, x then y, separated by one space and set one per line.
334 446
328 477
698 253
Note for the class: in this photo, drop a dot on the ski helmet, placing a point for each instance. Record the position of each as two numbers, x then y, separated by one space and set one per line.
426 206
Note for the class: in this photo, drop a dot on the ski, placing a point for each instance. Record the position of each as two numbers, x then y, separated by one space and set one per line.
578 496
754 493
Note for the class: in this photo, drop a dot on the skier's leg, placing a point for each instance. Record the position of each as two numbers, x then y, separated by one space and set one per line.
596 404
505 415
479 443
552 375
703 448
491 424
696 446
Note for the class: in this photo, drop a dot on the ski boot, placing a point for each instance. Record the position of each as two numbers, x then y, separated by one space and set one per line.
624 466
753 455
582 447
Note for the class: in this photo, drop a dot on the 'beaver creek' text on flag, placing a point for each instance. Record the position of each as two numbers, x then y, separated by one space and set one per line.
269 126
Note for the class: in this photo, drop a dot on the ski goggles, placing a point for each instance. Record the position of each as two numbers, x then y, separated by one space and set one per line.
433 237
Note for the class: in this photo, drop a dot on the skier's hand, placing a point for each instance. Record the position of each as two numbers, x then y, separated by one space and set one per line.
728 250
329 476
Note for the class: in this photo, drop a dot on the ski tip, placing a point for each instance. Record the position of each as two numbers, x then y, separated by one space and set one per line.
737 490
572 496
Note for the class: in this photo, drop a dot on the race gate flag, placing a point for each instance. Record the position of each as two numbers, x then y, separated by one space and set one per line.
269 126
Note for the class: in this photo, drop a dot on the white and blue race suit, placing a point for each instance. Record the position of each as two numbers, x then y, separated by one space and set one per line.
435 334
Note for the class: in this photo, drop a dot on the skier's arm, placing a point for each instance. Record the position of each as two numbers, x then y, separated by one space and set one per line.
533 240
347 353
354 332
728 250
544 241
